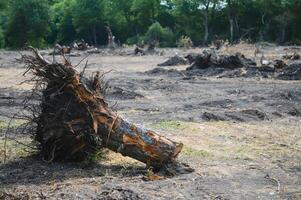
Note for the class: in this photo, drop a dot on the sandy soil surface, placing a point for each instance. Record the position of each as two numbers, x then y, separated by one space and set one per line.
242 136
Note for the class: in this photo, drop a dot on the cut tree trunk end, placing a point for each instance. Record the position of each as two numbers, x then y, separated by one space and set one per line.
73 121
141 144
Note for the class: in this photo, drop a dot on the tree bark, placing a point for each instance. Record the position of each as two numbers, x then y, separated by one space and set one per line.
95 35
234 29
141 144
231 29
206 19
111 42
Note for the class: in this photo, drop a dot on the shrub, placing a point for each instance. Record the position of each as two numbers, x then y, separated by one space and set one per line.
135 40
185 42
163 36
2 40
28 23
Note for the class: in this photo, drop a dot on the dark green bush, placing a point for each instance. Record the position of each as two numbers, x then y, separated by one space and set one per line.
164 36
28 23
2 40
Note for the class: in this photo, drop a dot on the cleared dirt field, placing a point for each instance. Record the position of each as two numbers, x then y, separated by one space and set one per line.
241 135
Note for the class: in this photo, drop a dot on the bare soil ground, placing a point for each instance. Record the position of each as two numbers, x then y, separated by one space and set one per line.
241 135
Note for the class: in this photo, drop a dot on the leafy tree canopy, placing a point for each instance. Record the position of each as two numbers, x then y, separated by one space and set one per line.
45 22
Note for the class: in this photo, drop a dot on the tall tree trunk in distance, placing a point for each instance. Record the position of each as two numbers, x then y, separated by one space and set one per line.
283 34
262 29
237 31
206 4
234 29
206 29
95 35
231 29
111 42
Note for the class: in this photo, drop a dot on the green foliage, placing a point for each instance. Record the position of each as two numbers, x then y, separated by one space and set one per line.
188 19
3 21
88 19
163 36
44 22
2 40
28 23
170 125
122 21
145 12
3 4
191 152
63 30
93 158
137 39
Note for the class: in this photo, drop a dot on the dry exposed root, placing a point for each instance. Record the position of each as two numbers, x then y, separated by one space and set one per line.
65 126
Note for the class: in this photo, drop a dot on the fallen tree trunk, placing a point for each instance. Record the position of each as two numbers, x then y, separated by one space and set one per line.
74 120
141 144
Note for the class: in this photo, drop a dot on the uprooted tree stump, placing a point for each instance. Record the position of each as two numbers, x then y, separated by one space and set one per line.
74 120
111 38
138 51
294 56
59 50
212 59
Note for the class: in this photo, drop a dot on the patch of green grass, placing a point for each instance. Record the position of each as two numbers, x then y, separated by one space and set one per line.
170 124
188 151
3 125
13 124
14 149
238 152
18 122
97 156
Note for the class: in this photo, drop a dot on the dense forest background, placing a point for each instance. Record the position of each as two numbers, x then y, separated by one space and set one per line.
42 23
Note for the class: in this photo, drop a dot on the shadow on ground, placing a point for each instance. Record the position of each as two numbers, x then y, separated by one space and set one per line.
31 170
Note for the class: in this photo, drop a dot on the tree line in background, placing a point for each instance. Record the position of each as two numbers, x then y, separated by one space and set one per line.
45 22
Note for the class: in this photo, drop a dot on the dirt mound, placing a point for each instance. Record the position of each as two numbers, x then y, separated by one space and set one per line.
207 116
173 61
294 56
293 111
280 70
240 116
206 72
191 57
291 72
231 66
211 59
246 115
255 113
